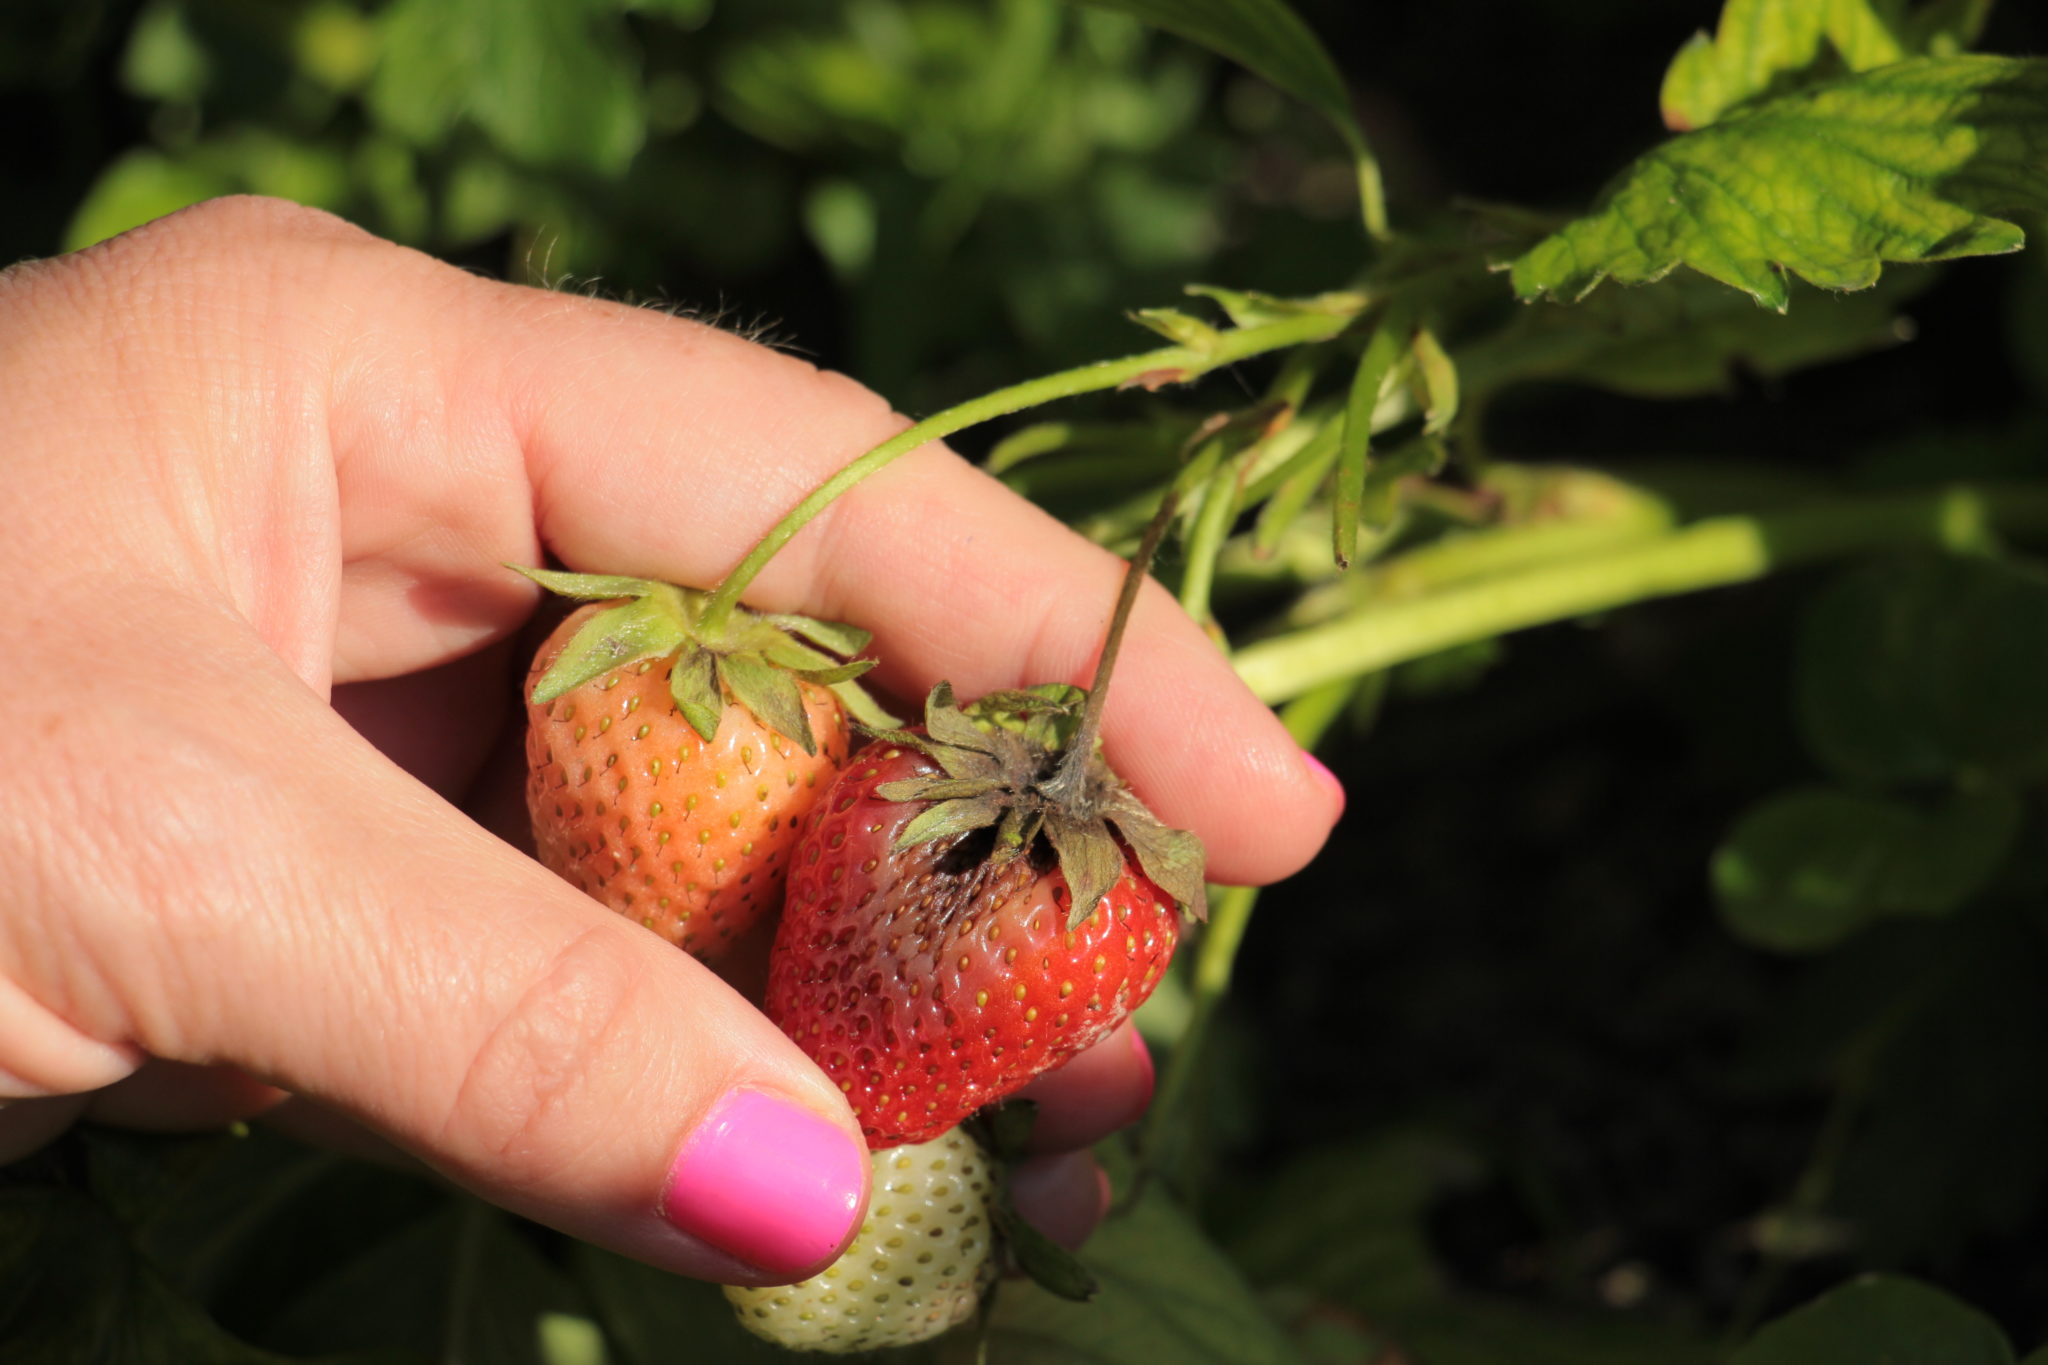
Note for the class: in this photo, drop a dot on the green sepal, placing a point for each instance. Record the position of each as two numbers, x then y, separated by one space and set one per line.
1046 714
759 658
645 627
838 673
833 635
786 651
937 788
1089 860
946 819
945 722
861 705
1173 858
589 587
1017 831
771 694
694 687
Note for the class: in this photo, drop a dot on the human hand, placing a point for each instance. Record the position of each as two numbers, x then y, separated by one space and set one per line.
262 469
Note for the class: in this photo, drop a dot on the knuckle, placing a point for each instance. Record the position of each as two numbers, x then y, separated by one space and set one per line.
540 1085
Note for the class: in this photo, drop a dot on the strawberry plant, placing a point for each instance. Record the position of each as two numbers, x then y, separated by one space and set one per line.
1634 489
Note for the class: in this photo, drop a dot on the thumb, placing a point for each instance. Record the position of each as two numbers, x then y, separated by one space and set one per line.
308 913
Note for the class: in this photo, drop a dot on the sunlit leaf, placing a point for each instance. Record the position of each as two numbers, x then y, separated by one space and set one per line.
1761 44
552 82
1264 36
1911 162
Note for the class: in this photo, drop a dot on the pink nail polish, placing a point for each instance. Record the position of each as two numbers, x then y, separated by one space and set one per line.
769 1182
1323 775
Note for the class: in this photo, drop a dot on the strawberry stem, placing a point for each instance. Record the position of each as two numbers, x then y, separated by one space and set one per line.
1067 779
1172 364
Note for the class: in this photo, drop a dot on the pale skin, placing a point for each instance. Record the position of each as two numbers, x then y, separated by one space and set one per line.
261 470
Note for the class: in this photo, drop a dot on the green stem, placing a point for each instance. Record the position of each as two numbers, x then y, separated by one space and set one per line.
1707 554
1172 364
1372 191
1205 541
1308 719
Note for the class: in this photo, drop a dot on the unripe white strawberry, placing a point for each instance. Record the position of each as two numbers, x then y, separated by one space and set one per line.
923 1257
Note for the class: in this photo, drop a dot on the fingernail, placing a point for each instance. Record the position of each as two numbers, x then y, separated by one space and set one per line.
769 1182
1323 775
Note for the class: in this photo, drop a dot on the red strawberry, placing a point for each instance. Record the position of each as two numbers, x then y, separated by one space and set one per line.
666 775
933 956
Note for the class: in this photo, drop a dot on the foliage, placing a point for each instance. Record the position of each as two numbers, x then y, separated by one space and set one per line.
1673 990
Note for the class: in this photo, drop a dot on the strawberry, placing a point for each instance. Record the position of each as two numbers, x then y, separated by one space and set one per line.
667 773
975 901
918 1266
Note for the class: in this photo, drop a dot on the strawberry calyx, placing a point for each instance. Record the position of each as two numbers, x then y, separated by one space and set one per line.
1002 763
1029 764
755 658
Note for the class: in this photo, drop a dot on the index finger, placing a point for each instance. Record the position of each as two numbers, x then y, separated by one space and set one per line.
664 448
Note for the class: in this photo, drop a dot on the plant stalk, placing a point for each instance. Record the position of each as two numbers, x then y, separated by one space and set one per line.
1716 552
1169 365
1067 779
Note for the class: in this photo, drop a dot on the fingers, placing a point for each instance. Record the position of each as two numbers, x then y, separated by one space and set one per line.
1063 1196
447 424
959 578
1094 1094
289 904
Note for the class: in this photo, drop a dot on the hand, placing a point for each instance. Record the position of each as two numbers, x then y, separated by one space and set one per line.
261 472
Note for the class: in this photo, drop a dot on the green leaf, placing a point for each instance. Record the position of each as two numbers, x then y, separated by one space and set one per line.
1879 1318
463 1284
1167 1295
771 694
1805 869
1389 343
142 185
1051 1266
1761 44
1687 336
1913 668
1263 36
655 1318
72 1288
552 82
1908 163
